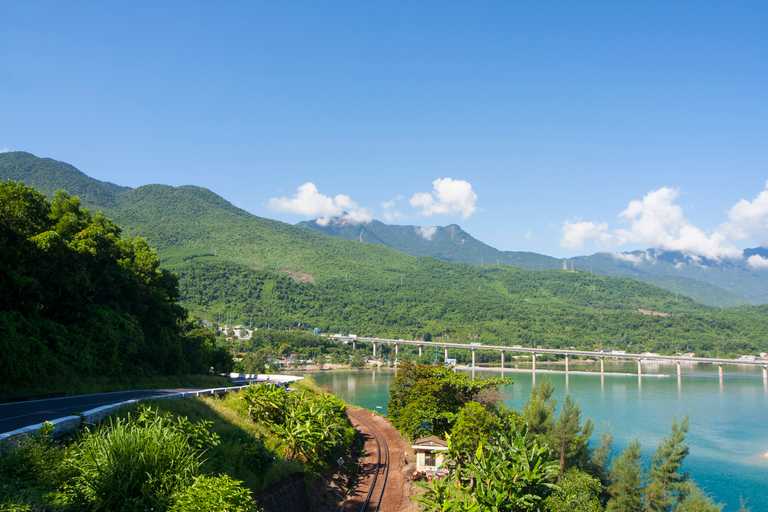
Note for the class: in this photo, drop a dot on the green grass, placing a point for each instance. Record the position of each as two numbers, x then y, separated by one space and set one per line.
207 442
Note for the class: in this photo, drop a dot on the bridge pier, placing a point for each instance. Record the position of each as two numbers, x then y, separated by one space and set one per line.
354 345
421 347
679 371
374 349
720 371
602 364
473 359
639 368
502 359
567 364
533 357
397 345
445 359
765 372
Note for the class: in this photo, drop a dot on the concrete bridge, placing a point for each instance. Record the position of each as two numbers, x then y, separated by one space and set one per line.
567 353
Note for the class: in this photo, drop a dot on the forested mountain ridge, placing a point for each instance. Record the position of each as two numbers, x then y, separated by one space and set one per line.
716 283
447 243
263 271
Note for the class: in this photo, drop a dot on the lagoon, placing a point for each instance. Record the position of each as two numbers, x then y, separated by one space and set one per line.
728 434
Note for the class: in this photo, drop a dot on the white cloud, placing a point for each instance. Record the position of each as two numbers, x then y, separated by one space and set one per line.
757 261
655 221
635 259
4 150
749 219
528 234
390 216
576 233
309 202
449 196
427 233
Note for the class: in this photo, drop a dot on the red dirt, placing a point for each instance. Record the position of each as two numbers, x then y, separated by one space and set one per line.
402 462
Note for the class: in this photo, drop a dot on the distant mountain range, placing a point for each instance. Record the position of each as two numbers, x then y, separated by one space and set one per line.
722 284
259 272
187 222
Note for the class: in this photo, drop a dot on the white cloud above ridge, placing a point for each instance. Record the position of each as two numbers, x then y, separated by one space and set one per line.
757 262
656 221
426 232
447 197
5 150
635 259
749 219
576 233
308 201
390 214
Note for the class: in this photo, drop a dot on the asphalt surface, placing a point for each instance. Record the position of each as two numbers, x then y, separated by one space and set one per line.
22 414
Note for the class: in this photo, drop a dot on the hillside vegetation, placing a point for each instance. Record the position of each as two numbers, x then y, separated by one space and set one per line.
191 455
261 271
720 284
77 300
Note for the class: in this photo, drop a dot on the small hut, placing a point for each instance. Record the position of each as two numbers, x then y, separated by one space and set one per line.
430 454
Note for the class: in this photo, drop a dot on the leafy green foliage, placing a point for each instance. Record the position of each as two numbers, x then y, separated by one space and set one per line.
427 399
314 428
76 298
577 492
132 466
626 480
508 474
209 493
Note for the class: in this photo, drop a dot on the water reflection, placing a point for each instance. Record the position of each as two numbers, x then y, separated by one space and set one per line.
728 417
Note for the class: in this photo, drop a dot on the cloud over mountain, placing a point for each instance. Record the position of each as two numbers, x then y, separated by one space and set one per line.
310 202
656 221
749 219
448 196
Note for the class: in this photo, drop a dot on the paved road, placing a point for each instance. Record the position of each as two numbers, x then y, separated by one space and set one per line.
17 415
22 414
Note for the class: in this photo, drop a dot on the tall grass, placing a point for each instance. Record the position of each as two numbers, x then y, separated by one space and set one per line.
129 466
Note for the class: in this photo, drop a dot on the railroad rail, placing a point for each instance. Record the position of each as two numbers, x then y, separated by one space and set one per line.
381 468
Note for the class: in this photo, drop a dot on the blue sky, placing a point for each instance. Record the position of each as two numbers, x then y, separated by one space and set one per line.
563 128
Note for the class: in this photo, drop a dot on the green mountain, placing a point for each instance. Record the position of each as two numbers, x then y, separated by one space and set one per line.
447 243
725 284
675 272
261 271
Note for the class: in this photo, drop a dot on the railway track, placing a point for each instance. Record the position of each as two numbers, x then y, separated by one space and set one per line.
375 495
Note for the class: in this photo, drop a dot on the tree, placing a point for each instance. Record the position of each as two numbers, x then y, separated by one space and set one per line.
358 360
626 480
77 299
578 492
474 424
539 411
426 399
569 439
667 486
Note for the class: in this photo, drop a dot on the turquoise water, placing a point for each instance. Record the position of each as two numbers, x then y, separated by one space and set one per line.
728 434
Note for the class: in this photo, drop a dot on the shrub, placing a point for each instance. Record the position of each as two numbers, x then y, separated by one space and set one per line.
132 466
216 493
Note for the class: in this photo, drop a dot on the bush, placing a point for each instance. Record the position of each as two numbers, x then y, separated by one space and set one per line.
129 466
217 493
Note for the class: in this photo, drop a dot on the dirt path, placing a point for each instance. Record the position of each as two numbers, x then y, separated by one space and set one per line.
397 495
